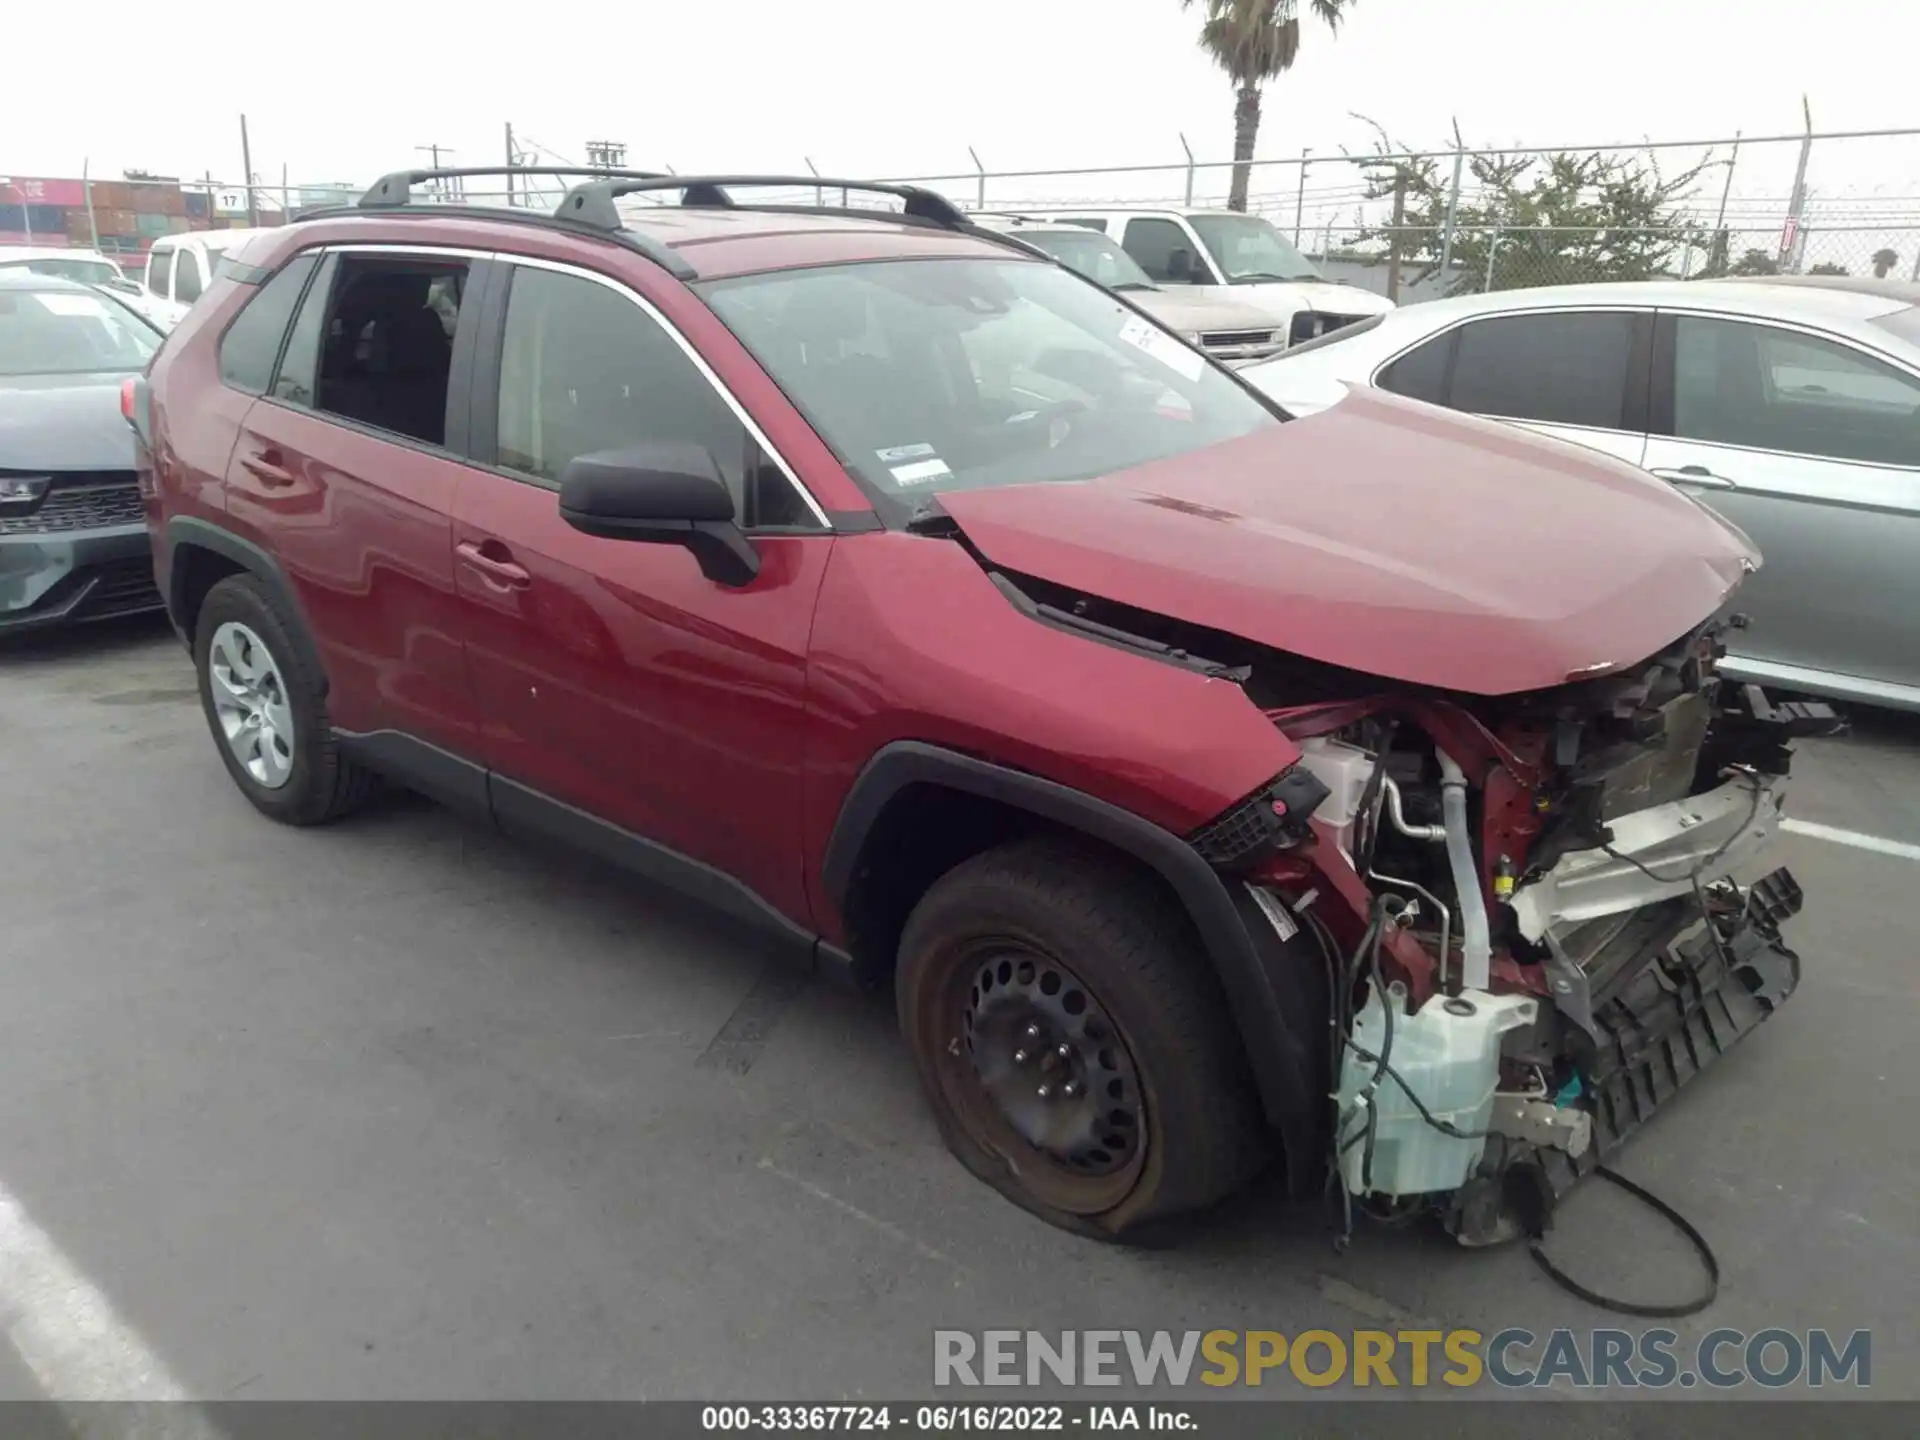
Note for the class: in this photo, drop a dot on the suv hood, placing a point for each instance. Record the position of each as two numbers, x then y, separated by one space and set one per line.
1191 309
1388 537
64 422
1286 298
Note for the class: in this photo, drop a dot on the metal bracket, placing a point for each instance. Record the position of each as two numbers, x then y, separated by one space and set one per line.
1567 983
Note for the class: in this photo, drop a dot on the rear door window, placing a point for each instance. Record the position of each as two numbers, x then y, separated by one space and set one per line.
1420 374
1764 388
252 343
1558 368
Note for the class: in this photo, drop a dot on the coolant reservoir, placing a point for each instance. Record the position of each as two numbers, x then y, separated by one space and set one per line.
1449 1054
1344 769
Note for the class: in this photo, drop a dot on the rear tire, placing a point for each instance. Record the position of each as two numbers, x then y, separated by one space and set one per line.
1043 963
264 700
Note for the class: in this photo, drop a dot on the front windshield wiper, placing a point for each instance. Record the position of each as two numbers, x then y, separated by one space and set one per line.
1254 277
1126 285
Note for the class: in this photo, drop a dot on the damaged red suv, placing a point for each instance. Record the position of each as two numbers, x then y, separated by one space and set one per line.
1209 786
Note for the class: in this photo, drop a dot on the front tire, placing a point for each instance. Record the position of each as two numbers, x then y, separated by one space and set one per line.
1079 1057
265 704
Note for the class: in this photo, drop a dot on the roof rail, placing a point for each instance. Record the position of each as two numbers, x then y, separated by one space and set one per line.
591 203
396 188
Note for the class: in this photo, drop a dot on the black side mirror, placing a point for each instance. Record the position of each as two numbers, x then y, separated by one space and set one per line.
1180 265
665 492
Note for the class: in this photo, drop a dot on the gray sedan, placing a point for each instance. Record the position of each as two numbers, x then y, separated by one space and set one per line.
1791 406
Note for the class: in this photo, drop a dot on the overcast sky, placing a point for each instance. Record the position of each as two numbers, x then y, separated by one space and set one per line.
346 88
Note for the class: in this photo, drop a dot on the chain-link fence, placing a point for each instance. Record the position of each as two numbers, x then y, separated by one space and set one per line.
1410 223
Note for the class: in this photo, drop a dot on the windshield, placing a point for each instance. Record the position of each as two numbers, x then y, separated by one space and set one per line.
1093 255
88 272
964 374
61 332
1248 250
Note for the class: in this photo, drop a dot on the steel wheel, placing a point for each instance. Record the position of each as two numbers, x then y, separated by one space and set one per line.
1040 1071
250 703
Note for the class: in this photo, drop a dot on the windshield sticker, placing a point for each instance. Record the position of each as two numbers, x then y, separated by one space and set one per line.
920 472
1143 336
894 453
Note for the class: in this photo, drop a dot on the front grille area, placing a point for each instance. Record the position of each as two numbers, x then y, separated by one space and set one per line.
80 500
1312 324
1214 339
119 587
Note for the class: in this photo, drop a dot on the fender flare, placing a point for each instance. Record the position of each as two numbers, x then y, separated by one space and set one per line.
1275 988
190 531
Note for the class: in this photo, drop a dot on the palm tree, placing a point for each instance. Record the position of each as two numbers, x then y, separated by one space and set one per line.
1883 261
1254 41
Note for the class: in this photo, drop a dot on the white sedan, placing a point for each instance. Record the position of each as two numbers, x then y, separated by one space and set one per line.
1791 406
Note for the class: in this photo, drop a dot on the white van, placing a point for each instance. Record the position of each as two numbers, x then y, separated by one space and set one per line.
1234 256
179 267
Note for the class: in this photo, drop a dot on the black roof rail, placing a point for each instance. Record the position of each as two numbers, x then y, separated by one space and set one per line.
396 188
591 203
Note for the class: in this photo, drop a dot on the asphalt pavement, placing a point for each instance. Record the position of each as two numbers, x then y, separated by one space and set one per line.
401 1109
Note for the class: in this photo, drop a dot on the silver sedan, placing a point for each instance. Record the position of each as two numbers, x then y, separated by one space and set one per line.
1791 406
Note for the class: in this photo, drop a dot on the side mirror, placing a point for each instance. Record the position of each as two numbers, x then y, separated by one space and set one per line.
667 493
1180 266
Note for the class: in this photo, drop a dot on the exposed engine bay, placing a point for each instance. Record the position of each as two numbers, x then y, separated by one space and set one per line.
1574 870
1541 913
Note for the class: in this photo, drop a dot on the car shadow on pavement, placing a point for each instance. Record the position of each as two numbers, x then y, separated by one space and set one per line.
79 644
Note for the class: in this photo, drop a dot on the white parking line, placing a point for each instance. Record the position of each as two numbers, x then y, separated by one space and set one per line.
1899 848
69 1335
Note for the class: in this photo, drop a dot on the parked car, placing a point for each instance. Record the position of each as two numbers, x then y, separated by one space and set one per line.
1229 330
1225 253
1131 730
1792 408
180 267
73 538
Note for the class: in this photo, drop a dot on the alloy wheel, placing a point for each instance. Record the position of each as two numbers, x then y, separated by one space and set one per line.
250 701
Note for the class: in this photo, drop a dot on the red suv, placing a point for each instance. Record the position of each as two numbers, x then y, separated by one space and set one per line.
882 581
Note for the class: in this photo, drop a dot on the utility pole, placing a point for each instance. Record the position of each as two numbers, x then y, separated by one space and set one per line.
443 188
1300 198
606 155
246 171
510 163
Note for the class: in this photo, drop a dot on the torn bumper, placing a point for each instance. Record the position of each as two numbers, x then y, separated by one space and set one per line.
1651 1031
1653 856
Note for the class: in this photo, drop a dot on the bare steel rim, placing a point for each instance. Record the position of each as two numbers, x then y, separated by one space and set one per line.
1040 1074
250 702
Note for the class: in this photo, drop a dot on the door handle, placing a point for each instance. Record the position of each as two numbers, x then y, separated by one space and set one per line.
1696 475
265 467
496 569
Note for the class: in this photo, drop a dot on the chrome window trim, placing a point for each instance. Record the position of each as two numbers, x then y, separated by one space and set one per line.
652 312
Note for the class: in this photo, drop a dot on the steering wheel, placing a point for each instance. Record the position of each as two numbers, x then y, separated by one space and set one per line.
1055 421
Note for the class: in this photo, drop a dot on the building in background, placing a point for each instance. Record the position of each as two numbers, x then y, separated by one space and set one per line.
126 216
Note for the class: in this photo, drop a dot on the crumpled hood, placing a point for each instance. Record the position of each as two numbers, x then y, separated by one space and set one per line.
63 422
1388 537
